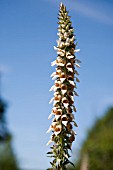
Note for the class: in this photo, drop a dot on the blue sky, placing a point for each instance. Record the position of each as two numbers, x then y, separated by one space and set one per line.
28 32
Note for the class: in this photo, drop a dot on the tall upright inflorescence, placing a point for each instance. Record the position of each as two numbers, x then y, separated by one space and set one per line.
66 63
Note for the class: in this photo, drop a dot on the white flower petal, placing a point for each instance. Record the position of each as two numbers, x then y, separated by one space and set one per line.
49 129
77 50
72 39
63 31
63 91
72 98
57 117
50 116
67 44
70 56
66 105
49 142
65 122
62 79
55 101
70 69
57 129
51 100
55 48
52 88
54 77
53 74
71 82
60 64
56 133
53 63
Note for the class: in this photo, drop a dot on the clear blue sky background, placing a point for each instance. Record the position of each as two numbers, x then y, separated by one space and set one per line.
28 32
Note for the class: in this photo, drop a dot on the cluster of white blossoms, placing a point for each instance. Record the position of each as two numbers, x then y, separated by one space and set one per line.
64 87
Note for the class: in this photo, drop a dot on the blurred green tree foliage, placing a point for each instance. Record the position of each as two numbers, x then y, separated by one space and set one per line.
97 150
7 157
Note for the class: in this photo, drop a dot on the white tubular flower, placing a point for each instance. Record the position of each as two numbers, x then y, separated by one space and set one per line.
57 99
66 35
69 55
64 120
57 129
63 31
60 44
70 94
71 80
69 67
65 102
60 62
62 77
60 53
63 88
58 114
64 84
57 84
